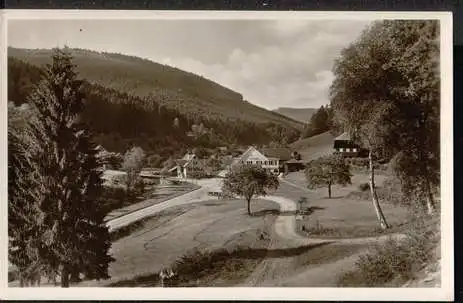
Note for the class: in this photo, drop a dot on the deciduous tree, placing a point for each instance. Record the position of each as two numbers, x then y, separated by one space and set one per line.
249 181
327 171
134 160
387 83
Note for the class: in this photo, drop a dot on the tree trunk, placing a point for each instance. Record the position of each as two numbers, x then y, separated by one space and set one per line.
374 196
427 186
249 207
65 276
75 276
329 190
430 205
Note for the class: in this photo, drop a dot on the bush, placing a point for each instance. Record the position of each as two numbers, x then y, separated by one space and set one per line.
394 260
199 175
364 186
139 186
391 191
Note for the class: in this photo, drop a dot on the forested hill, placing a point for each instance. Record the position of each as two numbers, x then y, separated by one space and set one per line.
120 120
192 95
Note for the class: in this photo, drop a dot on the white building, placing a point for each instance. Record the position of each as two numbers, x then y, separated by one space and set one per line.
272 159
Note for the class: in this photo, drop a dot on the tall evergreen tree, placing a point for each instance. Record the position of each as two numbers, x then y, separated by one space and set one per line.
25 219
76 240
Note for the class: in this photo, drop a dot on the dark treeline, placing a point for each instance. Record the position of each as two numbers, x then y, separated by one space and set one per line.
119 120
320 122
189 94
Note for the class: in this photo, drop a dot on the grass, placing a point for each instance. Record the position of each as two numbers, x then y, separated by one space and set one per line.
328 253
199 268
389 192
221 267
129 229
360 231
345 215
394 262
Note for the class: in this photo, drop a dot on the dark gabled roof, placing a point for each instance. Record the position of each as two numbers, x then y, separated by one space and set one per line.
281 153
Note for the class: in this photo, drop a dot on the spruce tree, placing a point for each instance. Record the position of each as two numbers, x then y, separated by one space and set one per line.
25 220
75 240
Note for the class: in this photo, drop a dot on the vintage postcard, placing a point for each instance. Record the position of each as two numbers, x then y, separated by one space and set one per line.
227 155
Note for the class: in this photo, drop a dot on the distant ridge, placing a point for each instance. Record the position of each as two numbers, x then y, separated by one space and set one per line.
299 114
190 94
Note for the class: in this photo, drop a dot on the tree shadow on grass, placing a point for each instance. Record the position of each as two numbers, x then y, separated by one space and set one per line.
202 263
333 197
277 212
310 210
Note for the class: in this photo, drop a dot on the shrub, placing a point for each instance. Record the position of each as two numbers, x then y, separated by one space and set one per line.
391 191
113 198
364 186
394 259
139 186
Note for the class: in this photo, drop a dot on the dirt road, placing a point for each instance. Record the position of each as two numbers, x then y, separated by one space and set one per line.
289 271
191 197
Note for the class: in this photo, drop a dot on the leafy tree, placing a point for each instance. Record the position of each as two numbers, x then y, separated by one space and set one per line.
415 47
154 160
74 237
133 163
386 93
200 152
327 171
214 164
301 202
249 181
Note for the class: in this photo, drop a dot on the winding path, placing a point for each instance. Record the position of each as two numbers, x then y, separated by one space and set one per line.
272 271
275 272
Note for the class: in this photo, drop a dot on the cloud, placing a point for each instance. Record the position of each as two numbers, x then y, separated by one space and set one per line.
273 63
291 70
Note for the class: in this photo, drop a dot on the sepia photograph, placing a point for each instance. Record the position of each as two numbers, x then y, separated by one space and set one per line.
234 151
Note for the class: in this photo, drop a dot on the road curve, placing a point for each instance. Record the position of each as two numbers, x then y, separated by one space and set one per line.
194 196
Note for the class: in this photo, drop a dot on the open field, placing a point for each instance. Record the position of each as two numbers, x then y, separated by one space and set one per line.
275 255
177 231
260 250
314 147
158 194
340 216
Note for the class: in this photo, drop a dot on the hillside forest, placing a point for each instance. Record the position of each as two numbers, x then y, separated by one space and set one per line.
120 118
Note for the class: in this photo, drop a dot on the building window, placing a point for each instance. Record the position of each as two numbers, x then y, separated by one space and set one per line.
354 150
347 149
341 150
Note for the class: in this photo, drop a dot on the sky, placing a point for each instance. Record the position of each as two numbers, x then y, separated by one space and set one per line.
272 63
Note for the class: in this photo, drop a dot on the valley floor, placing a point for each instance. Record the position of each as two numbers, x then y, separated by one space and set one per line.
278 253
